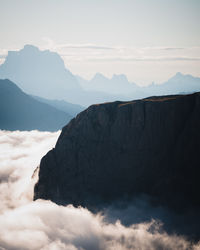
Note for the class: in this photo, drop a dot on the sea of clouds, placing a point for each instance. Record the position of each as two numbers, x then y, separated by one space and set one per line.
25 224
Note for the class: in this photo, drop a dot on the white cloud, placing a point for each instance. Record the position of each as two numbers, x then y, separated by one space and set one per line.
136 59
44 225
119 53
100 52
84 46
25 224
20 155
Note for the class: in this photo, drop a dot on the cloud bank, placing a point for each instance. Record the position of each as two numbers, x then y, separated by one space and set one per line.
25 224
20 155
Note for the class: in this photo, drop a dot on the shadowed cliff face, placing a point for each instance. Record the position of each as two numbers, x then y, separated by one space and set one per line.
120 150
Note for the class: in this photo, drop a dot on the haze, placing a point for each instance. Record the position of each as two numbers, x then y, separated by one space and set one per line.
146 40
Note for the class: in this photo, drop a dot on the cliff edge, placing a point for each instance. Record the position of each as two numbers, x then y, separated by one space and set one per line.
119 150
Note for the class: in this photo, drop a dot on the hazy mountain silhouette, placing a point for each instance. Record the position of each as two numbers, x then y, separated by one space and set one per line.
179 83
69 108
120 85
43 73
40 73
19 111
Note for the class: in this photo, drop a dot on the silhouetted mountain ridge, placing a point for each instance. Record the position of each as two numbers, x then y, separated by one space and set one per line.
69 108
43 73
19 111
119 84
124 149
40 73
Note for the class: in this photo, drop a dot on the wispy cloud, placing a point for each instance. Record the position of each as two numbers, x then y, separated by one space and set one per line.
164 48
173 48
50 44
84 46
104 53
129 58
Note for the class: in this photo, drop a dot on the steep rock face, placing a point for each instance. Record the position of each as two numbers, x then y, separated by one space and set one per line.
119 150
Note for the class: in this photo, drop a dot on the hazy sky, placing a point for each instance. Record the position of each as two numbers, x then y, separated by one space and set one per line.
148 40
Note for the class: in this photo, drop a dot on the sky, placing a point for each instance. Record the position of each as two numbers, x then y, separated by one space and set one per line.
148 40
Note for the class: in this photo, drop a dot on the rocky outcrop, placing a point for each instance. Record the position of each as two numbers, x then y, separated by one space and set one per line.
119 150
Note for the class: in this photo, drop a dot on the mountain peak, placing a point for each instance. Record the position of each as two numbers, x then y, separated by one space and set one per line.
121 77
99 76
179 74
30 47
35 71
181 77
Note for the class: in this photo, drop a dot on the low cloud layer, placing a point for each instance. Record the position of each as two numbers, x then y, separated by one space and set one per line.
20 155
25 224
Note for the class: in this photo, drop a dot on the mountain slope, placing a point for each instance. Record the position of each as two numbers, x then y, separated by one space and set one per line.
69 108
19 111
179 83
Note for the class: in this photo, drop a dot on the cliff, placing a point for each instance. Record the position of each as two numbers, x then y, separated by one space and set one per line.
120 150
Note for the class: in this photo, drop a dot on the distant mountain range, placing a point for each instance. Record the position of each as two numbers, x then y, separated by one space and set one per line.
179 83
69 108
19 111
43 73
119 84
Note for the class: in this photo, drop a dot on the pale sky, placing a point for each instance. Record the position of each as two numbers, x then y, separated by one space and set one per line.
148 40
